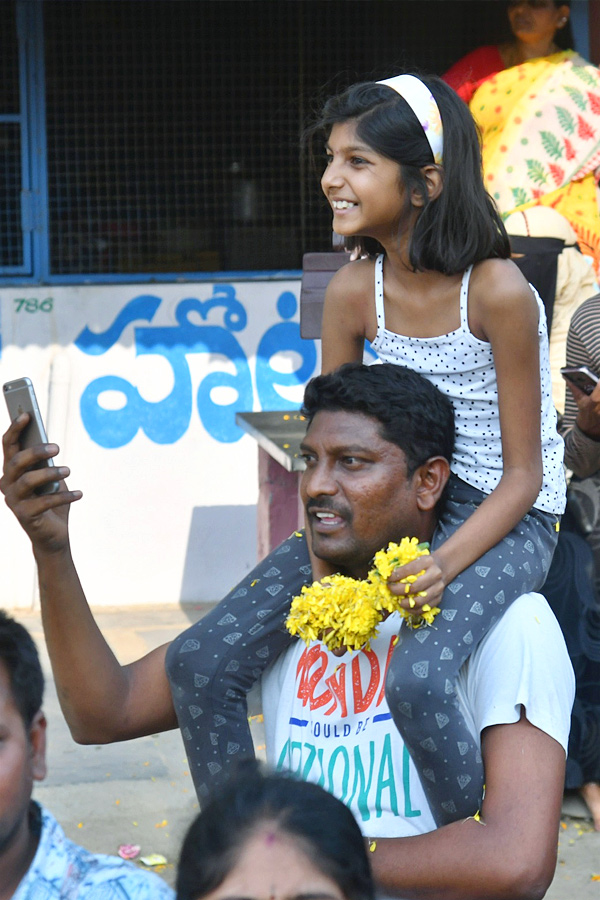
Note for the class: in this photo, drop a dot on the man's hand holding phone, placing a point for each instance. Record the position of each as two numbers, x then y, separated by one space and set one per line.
586 393
34 488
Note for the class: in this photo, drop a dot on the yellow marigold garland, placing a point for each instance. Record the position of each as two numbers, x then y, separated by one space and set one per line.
345 612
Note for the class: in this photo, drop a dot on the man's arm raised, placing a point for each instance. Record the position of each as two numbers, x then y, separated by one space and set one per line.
102 701
511 852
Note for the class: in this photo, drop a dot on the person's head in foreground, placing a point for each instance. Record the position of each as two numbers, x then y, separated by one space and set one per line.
36 858
22 743
267 836
377 449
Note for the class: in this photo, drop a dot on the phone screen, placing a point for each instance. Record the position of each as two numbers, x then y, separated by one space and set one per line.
581 378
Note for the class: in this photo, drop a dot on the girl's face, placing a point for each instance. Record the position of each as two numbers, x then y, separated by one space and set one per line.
364 188
533 21
273 867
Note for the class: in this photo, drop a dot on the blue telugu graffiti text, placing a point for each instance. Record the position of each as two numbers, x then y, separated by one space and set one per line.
167 420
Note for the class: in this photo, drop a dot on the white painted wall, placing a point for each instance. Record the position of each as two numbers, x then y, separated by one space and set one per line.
170 485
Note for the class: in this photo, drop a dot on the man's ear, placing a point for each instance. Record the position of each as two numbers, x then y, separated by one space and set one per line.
432 477
434 182
37 746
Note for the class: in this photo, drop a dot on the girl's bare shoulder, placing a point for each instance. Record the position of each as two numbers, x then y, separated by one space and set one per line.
354 282
499 283
347 315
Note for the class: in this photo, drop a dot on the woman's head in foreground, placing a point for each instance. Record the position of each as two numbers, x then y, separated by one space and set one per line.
271 837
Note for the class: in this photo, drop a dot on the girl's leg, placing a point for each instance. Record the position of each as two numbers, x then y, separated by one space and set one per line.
213 665
421 680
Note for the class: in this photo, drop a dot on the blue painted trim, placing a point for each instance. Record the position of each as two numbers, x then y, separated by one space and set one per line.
39 151
162 278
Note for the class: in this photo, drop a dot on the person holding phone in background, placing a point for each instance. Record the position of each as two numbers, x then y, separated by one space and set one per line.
573 584
581 421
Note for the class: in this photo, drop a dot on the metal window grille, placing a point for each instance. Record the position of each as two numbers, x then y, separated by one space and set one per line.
173 126
11 242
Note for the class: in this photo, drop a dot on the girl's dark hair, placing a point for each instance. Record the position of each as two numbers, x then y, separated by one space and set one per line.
462 225
325 829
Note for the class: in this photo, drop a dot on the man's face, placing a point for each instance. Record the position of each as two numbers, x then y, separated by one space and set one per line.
22 760
356 493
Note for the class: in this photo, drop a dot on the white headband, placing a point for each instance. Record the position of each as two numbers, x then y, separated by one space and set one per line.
422 102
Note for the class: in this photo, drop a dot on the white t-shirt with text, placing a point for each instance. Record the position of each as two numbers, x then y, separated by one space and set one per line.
326 717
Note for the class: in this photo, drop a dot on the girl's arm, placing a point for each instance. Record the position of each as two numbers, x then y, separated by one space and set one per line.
344 315
503 311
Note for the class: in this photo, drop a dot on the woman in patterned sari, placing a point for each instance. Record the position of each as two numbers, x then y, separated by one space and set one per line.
540 120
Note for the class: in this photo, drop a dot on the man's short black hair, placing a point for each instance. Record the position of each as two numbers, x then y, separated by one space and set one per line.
411 411
19 654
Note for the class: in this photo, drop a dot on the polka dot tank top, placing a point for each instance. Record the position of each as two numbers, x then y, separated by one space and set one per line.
462 366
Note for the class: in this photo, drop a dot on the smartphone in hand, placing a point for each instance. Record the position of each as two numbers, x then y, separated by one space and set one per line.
581 377
20 398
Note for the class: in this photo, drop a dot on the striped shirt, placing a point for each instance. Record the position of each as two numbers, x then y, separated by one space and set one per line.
582 453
